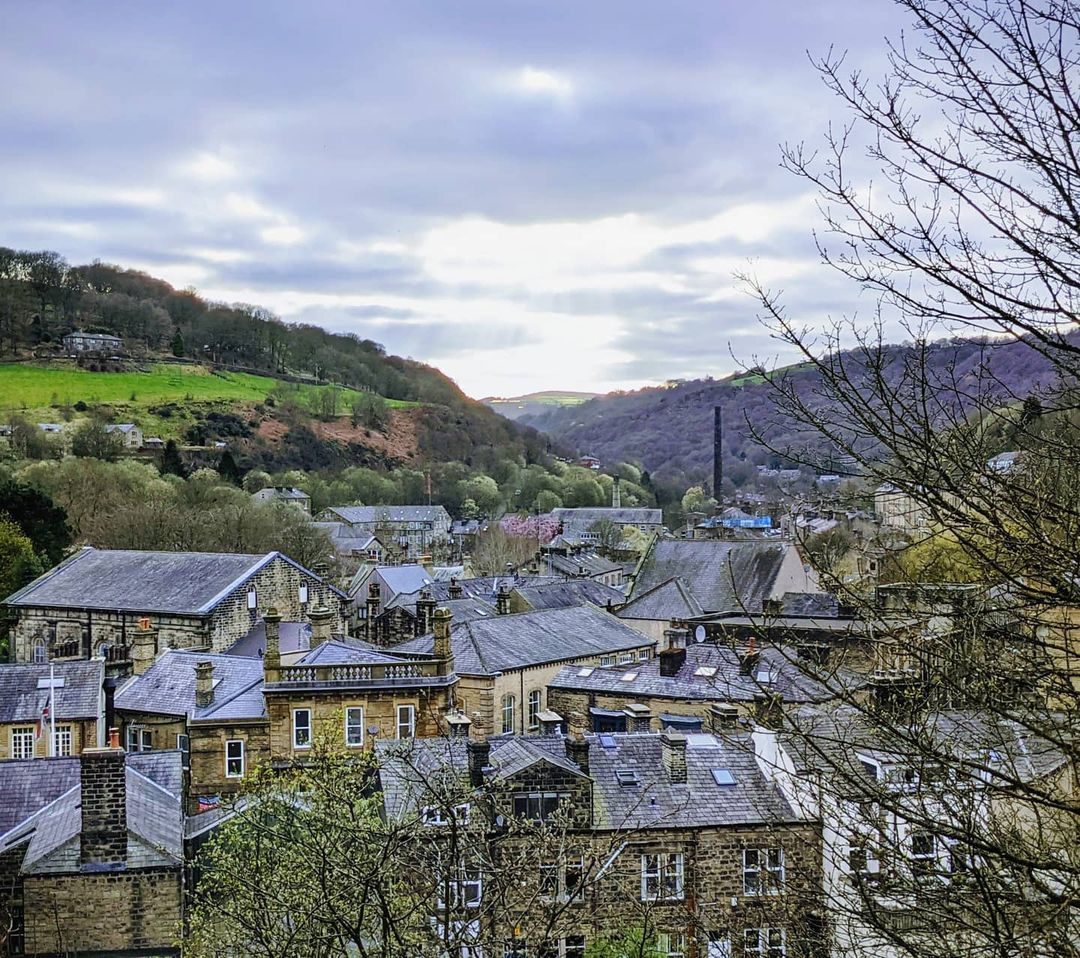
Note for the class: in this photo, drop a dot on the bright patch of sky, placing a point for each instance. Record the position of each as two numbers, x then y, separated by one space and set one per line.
529 196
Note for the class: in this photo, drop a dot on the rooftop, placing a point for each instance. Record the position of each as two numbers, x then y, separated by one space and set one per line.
627 516
377 514
671 599
25 690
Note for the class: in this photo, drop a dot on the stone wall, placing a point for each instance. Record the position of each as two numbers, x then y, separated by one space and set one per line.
84 734
208 757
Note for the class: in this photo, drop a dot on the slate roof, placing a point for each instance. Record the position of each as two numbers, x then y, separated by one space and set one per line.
584 563
404 578
621 516
80 697
28 785
463 610
671 599
154 810
292 637
655 802
180 583
168 687
723 575
375 514
570 592
124 427
727 684
487 587
489 646
346 539
810 603
338 652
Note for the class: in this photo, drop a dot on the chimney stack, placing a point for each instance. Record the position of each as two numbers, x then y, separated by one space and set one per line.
673 657
479 752
143 647
724 718
673 753
455 591
443 649
425 612
749 659
458 724
616 493
502 600
373 602
103 836
718 454
272 654
204 684
322 621
638 717
577 746
551 723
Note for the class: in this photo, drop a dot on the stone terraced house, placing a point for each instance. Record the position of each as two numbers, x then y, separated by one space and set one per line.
65 700
90 603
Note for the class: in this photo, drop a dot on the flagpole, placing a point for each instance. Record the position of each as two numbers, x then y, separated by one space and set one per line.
52 710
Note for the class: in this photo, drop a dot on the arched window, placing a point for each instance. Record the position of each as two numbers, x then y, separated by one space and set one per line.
534 708
103 650
509 704
38 651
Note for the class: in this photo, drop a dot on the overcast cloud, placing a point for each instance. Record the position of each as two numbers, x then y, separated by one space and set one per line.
528 195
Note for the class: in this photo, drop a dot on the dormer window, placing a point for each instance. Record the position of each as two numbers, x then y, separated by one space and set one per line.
538 806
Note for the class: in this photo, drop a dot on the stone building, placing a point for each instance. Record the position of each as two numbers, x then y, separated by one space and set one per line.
81 342
505 662
681 837
410 530
91 854
65 701
90 604
130 434
287 494
579 524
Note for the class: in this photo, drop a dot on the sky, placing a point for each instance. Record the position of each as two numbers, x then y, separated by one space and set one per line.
528 195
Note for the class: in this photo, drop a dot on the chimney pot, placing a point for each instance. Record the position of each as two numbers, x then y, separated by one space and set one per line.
204 684
322 621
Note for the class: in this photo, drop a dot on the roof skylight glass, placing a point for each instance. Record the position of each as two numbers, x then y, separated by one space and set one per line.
628 677
705 671
723 776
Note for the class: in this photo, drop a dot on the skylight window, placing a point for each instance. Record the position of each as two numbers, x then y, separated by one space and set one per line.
765 677
626 777
723 776
628 677
705 671
607 741
582 673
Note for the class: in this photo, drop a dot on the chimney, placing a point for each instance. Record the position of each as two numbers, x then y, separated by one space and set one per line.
322 622
616 493
143 647
455 591
673 657
718 453
425 612
373 602
479 752
724 718
551 723
577 750
638 717
502 600
204 684
749 659
103 836
443 650
458 724
272 655
673 753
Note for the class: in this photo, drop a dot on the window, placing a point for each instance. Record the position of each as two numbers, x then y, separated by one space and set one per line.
437 815
406 721
301 728
139 739
354 727
234 758
626 777
628 676
537 806
38 652
534 708
464 886
661 877
625 658
22 742
562 880
303 593
763 871
719 945
764 943
509 705
62 740
723 776
670 945
643 655
572 946
923 854
606 661
253 599
863 863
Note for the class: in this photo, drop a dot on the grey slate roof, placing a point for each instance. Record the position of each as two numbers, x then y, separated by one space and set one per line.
570 592
727 684
654 803
723 575
292 637
621 516
404 578
28 785
488 646
168 687
584 563
810 603
80 697
671 599
375 514
184 583
338 652
487 587
346 540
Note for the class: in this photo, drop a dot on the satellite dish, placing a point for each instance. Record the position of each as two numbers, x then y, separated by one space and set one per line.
699 634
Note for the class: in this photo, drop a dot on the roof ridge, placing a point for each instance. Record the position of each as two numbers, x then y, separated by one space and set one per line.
251 570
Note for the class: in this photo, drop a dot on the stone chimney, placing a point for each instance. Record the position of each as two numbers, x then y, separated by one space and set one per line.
443 649
272 655
749 659
204 684
458 725
724 718
616 493
425 612
103 836
673 656
455 591
144 643
551 723
502 600
638 717
479 752
577 750
673 754
322 623
373 600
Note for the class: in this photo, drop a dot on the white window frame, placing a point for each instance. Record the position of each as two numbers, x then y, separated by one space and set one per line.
303 593
763 871
535 705
643 655
241 758
139 739
554 881
625 658
22 742
766 942
718 945
39 651
349 724
296 743
410 711
607 661
509 711
671 944
252 599
658 871
62 740
924 864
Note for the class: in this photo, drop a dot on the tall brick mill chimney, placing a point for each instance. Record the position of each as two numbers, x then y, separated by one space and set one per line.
103 837
717 453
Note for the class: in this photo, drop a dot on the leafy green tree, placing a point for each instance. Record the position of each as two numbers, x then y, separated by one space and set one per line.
229 470
91 440
172 463
177 344
19 563
546 500
256 479
39 518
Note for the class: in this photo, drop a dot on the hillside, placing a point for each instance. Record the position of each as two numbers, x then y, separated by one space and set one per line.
669 430
196 370
534 404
